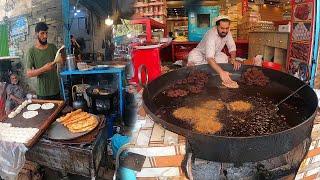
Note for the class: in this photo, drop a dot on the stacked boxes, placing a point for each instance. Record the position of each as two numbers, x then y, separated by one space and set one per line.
248 20
251 22
234 14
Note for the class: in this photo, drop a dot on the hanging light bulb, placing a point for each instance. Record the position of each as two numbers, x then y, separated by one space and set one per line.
108 21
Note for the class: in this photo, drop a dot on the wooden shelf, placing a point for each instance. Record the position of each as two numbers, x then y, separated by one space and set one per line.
178 19
156 4
150 24
159 14
140 5
147 14
148 4
272 45
154 24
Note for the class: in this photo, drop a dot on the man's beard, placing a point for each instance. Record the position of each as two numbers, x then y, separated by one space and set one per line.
222 34
41 42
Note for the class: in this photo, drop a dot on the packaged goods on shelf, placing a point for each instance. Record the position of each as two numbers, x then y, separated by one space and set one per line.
155 9
259 26
250 17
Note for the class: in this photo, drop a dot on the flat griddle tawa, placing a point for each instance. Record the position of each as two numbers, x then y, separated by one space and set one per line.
58 132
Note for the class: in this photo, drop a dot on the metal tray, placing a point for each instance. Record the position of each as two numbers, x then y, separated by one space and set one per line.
58 132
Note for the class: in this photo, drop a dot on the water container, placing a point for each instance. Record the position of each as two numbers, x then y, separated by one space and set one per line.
70 62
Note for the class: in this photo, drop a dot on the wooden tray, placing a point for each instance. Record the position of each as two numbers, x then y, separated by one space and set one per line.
42 121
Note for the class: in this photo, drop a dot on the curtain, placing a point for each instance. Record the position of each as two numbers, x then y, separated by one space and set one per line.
4 38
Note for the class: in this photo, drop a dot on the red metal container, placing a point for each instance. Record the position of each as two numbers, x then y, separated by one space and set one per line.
151 59
271 65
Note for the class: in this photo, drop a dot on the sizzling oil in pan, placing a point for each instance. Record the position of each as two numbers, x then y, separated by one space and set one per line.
261 120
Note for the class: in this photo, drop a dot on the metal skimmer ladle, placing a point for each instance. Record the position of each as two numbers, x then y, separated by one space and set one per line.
283 100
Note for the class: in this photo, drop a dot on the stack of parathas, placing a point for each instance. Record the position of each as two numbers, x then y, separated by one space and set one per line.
79 121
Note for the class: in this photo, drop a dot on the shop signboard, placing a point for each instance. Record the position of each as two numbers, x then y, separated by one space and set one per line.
302 22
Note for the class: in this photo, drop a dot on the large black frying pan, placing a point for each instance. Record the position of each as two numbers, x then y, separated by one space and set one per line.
238 149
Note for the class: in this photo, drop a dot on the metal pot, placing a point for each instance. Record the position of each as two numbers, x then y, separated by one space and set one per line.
237 149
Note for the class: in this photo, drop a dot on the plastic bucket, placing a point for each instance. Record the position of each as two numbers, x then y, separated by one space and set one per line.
271 65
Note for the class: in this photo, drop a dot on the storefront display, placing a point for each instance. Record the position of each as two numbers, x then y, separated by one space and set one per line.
299 60
155 9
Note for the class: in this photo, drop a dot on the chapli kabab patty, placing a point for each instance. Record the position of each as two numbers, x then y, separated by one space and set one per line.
203 117
240 106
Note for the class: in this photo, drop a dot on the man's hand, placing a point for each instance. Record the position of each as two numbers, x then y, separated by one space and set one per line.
225 76
36 72
236 64
16 99
48 67
227 81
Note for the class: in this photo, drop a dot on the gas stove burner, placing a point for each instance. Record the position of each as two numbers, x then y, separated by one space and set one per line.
103 98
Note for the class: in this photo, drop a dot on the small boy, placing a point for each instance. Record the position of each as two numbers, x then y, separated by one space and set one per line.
15 94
